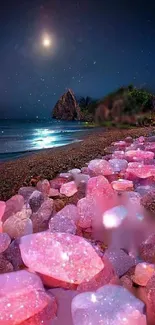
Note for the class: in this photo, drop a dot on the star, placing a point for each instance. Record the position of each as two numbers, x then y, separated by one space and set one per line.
94 62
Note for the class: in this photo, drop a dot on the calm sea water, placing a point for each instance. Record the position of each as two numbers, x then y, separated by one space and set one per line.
20 137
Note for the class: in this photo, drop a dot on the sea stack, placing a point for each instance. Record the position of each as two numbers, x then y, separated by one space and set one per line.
67 107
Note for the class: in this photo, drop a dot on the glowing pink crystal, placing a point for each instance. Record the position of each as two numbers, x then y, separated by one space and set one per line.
139 155
122 185
121 261
99 186
109 305
61 259
13 205
100 167
4 242
21 296
143 273
2 208
68 189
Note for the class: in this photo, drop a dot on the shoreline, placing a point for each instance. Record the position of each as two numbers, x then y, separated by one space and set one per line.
47 163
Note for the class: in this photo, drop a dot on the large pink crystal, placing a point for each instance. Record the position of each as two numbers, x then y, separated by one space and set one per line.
2 208
143 273
100 167
140 170
139 155
99 187
21 296
68 189
122 185
62 259
4 242
13 205
109 305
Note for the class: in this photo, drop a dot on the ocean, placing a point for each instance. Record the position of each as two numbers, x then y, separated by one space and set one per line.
18 138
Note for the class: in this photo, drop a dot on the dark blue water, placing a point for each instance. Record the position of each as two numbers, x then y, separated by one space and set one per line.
20 137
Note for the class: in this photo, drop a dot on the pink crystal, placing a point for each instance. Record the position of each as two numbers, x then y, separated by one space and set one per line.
2 208
143 273
118 154
139 155
74 171
13 255
140 170
85 211
120 144
41 218
35 201
16 227
21 296
4 242
26 192
44 187
53 192
62 224
99 186
120 260
118 164
70 211
141 139
58 182
100 167
122 185
13 205
109 305
68 189
61 259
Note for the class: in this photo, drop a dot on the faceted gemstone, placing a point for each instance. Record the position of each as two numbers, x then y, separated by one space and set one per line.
4 242
13 255
102 278
62 224
44 187
41 218
13 205
114 217
68 189
100 167
85 212
122 185
2 208
5 265
121 261
109 305
147 249
21 296
118 164
58 182
26 192
73 258
143 273
70 211
16 227
99 186
35 201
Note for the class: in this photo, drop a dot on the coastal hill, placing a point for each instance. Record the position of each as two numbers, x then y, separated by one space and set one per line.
128 105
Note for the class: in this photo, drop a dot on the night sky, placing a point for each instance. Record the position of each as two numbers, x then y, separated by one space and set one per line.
96 46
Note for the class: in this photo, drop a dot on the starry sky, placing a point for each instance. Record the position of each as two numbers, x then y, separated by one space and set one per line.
96 47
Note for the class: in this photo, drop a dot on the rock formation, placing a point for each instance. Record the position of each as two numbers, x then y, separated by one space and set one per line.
67 107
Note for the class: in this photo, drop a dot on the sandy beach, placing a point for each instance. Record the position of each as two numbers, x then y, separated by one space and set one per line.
48 163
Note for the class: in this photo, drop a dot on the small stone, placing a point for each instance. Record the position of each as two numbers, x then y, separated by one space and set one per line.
74 171
13 255
100 167
16 227
74 259
99 186
69 189
58 182
118 154
5 265
26 192
126 282
109 305
44 187
143 273
35 201
121 261
41 218
53 193
118 164
5 241
122 185
70 211
2 208
85 212
62 224
13 205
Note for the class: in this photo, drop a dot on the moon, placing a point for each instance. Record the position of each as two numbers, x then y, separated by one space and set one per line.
46 42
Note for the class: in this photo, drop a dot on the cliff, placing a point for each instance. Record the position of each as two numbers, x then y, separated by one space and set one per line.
67 108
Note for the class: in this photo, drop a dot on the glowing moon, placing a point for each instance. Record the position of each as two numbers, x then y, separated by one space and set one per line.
46 41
